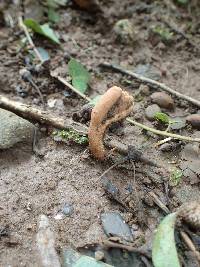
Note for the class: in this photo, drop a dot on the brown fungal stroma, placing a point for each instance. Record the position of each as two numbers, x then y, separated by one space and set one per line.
114 105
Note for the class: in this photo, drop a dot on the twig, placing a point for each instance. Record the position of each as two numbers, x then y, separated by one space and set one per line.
190 245
163 141
38 90
110 244
158 202
23 26
164 133
151 83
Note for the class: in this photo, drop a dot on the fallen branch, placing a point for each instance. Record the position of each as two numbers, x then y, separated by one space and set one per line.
151 83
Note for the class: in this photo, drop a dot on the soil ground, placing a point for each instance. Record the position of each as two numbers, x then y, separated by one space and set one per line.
31 185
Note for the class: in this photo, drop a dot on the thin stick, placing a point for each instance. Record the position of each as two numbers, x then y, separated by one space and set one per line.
110 244
190 245
163 141
151 83
24 28
158 202
163 133
38 90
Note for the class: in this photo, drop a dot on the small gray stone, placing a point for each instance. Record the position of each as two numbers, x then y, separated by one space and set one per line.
194 120
68 209
148 71
114 225
163 100
14 129
178 123
151 110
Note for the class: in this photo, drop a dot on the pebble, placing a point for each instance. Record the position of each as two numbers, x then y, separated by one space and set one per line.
144 89
163 100
114 225
68 209
151 110
99 255
194 120
179 123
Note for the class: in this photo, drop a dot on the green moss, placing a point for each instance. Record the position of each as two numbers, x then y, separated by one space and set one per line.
175 177
70 135
165 34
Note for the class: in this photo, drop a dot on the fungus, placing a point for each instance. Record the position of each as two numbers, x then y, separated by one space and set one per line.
113 106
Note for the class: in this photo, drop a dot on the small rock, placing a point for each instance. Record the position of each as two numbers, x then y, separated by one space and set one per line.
151 110
45 241
99 255
163 100
68 209
14 129
178 123
148 71
194 120
114 225
110 187
124 31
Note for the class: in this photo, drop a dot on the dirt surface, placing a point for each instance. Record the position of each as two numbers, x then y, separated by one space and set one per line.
32 184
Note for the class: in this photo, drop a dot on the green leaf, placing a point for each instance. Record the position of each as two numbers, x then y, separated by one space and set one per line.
162 117
44 29
164 252
95 100
80 75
